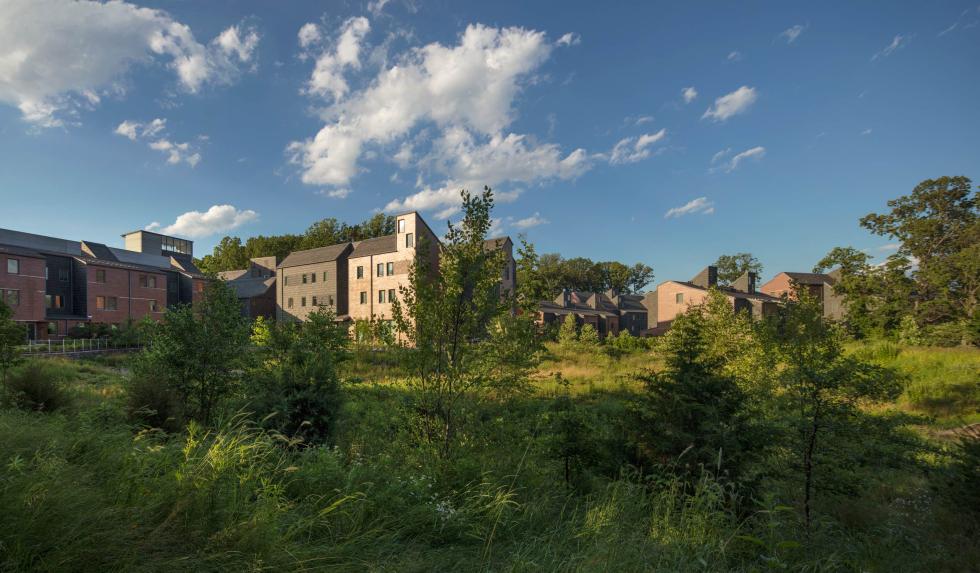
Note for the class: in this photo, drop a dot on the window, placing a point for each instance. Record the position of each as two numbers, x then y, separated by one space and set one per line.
330 300
312 277
11 297
100 303
410 240
304 278
314 301
363 297
401 225
153 306
289 303
381 269
302 301
143 281
63 275
391 295
285 280
324 276
390 269
100 276
151 282
360 272
111 303
52 328
13 267
381 296
679 297
53 301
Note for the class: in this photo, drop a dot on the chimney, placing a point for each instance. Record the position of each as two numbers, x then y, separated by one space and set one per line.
746 282
595 300
707 278
564 297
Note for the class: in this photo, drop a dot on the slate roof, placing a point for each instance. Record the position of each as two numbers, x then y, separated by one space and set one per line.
631 303
733 293
98 250
252 287
20 251
120 265
232 275
376 246
312 256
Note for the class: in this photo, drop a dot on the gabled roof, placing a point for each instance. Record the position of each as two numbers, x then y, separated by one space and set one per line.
232 275
20 251
375 246
98 251
497 242
811 278
729 291
313 256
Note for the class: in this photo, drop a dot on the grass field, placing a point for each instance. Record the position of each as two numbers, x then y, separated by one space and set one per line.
82 489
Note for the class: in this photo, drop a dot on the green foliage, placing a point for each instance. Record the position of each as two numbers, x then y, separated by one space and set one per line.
568 332
626 343
35 386
692 417
449 319
548 274
961 486
572 435
152 402
12 335
295 388
588 337
948 334
730 267
198 351
909 332
938 225
823 388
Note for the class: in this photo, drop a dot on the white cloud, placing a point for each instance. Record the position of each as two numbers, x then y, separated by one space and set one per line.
732 164
217 219
176 152
463 96
376 7
898 42
689 94
569 39
633 149
792 33
643 119
308 35
700 205
890 247
866 131
328 74
734 56
528 222
336 193
739 101
43 73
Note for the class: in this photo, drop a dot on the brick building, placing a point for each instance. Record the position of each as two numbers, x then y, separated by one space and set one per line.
674 297
820 286
54 285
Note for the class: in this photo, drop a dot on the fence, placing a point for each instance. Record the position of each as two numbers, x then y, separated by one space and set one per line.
75 346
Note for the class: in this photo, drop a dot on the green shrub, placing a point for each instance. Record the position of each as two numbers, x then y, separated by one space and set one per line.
909 332
948 334
962 484
568 332
588 337
152 402
36 387
626 343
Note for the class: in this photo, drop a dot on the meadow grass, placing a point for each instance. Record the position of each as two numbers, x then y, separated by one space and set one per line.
82 489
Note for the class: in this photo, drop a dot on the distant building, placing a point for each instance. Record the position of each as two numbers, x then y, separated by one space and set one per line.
820 286
674 297
607 312
255 287
54 285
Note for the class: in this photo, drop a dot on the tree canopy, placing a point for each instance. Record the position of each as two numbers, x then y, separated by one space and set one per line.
549 273
231 254
730 267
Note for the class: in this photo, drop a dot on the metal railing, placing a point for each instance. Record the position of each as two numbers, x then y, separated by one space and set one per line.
75 346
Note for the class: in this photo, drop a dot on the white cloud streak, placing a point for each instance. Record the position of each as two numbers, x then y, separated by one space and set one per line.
529 222
792 33
217 219
176 152
569 39
728 105
897 43
689 94
700 205
633 149
755 153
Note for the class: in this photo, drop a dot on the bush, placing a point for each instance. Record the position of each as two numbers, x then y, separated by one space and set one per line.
588 337
909 332
948 334
151 401
36 387
626 343
962 483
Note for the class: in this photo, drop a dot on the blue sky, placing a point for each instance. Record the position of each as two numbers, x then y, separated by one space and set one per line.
802 118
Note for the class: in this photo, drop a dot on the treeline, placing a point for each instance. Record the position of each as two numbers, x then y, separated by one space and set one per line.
542 277
230 254
927 290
